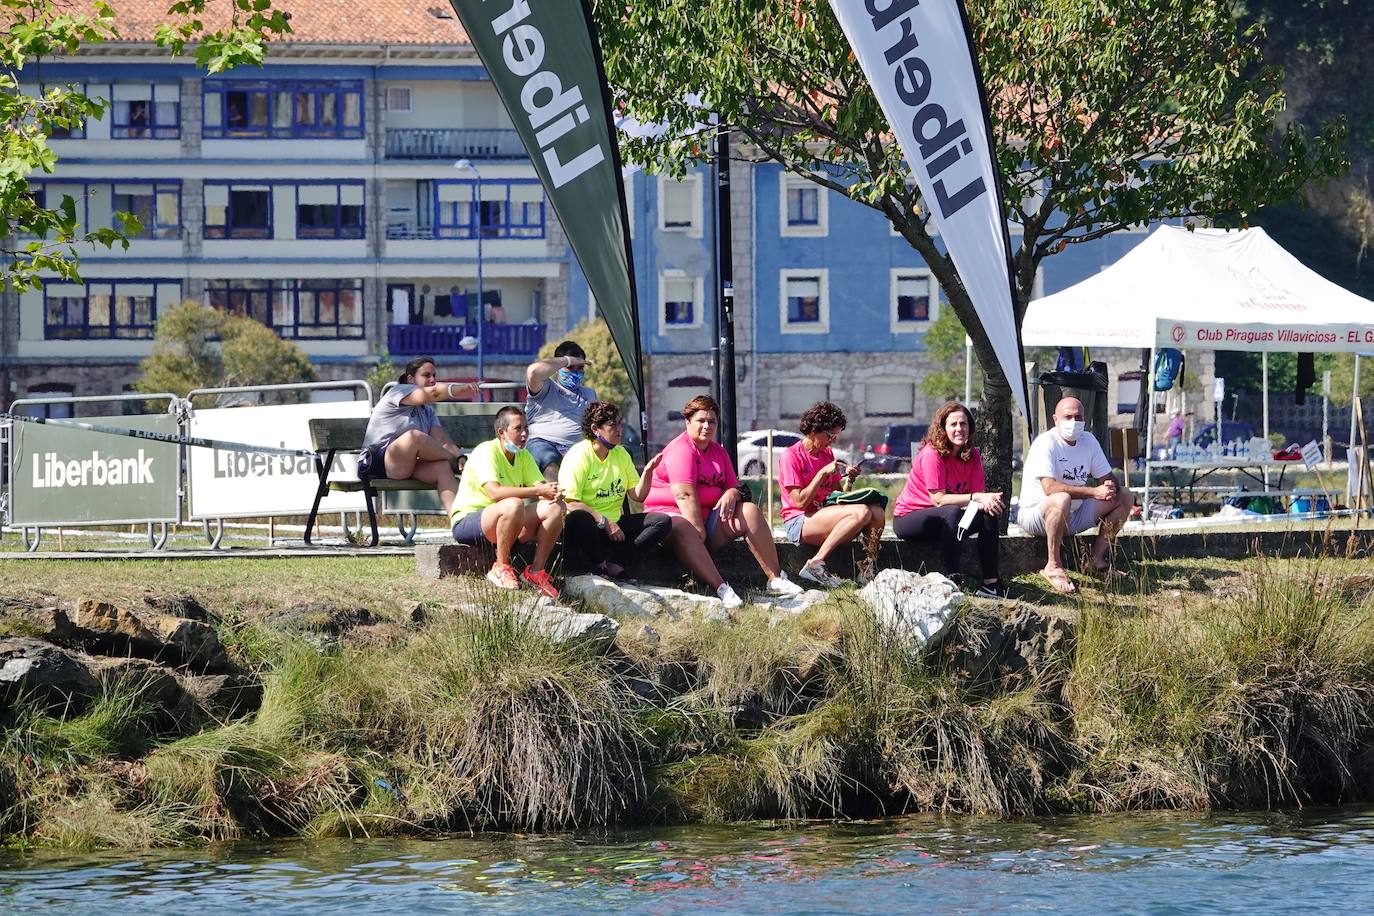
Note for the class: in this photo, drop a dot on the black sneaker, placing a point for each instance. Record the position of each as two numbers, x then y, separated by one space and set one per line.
994 590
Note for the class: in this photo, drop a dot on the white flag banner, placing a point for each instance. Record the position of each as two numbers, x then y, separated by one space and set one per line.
918 57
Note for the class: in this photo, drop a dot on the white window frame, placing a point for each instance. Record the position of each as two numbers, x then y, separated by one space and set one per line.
888 380
906 327
693 181
410 98
793 385
786 182
822 326
698 303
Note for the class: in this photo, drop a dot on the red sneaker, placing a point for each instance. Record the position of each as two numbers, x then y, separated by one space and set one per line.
502 575
538 579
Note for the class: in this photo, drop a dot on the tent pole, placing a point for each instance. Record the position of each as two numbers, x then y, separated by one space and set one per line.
1149 433
1264 383
1354 392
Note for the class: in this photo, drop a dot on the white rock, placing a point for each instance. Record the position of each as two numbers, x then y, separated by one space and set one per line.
627 600
912 606
790 605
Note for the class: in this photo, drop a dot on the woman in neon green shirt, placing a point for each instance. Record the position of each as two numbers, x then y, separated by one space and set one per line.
595 477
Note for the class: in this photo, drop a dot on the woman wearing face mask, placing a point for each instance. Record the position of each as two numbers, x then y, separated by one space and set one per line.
946 477
490 506
596 475
555 403
696 485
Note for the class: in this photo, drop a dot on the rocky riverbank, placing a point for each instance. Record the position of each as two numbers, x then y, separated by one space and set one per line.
169 720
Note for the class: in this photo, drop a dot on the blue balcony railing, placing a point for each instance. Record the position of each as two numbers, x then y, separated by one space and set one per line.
443 143
444 339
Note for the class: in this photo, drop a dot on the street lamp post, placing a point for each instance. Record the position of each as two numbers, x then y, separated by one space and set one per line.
465 165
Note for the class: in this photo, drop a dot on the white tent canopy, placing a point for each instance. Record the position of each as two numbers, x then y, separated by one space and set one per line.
1210 288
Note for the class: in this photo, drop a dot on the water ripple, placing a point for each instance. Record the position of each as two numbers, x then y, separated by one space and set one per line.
1147 863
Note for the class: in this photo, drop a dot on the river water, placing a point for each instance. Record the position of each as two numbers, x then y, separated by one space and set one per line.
1319 860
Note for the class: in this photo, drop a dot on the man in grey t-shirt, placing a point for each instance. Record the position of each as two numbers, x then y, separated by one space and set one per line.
555 404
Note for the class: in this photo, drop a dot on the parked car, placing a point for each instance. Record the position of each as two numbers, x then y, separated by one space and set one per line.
1231 430
753 450
888 450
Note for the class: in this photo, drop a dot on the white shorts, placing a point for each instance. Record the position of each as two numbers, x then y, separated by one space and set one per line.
1083 517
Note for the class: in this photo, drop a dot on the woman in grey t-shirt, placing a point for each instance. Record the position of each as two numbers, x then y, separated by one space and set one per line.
404 438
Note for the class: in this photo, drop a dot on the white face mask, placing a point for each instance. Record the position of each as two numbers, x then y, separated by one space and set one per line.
1069 429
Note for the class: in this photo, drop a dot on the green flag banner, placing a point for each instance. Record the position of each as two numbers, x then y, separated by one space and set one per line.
544 59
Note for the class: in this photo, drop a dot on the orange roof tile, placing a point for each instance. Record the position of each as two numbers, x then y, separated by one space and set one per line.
347 22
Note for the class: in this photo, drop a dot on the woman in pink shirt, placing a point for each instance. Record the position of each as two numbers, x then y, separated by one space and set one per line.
945 478
807 473
695 485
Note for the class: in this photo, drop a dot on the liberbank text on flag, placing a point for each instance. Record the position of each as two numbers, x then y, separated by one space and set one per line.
544 61
918 57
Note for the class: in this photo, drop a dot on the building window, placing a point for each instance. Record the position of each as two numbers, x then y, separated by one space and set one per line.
398 98
805 301
283 109
329 211
145 111
681 301
156 204
59 411
679 205
507 209
76 131
804 207
295 309
238 211
795 396
105 310
915 299
889 399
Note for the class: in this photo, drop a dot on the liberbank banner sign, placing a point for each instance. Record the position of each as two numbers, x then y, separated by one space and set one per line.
228 484
918 57
1285 338
545 62
66 476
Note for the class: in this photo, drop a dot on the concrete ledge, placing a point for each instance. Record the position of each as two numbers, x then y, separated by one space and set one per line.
1019 555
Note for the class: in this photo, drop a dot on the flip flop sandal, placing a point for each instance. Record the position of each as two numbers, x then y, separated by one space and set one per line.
1060 582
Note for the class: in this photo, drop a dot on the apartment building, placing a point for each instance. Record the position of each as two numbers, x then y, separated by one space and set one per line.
318 194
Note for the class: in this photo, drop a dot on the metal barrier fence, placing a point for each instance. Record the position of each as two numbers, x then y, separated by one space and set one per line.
65 475
222 485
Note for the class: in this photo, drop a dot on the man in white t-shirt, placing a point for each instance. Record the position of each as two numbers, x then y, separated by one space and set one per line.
1067 487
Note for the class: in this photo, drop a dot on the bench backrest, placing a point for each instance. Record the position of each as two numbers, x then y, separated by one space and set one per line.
469 426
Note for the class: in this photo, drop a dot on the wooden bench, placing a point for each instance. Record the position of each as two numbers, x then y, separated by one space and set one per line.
331 435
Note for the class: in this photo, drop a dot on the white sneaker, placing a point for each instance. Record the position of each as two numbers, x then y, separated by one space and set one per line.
816 572
727 596
783 586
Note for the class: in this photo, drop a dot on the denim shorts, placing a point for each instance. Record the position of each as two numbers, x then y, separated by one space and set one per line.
372 463
792 528
468 529
545 452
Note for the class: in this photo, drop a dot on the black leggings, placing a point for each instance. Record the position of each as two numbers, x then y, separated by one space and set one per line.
587 546
942 523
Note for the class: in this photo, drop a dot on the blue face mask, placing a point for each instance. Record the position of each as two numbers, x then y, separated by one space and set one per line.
571 378
510 446
602 439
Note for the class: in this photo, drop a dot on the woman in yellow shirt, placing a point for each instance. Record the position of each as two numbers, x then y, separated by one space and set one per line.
595 477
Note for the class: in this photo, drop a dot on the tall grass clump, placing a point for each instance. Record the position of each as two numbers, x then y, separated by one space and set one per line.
892 730
1258 700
